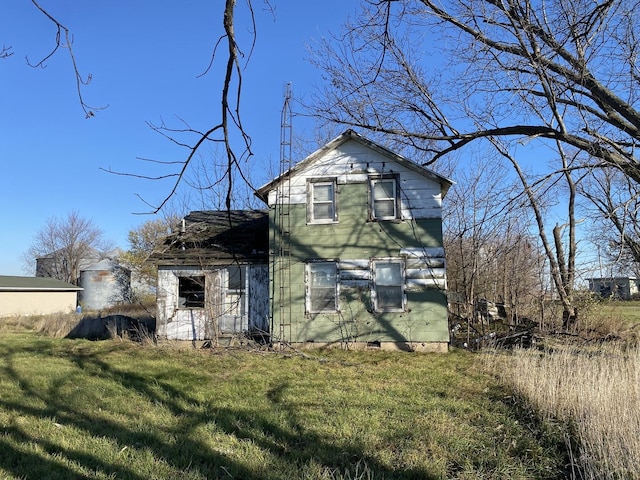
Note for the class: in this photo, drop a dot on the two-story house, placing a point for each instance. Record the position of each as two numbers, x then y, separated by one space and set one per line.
355 253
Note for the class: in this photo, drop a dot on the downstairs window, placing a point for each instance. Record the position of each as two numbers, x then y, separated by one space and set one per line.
388 285
191 292
322 287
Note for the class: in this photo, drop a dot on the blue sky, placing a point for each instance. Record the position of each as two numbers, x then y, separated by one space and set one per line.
144 58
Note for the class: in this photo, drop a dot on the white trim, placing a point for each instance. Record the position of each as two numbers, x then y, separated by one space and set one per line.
308 286
311 202
374 285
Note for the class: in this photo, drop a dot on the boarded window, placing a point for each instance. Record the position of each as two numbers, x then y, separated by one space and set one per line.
322 291
191 292
384 204
388 294
322 201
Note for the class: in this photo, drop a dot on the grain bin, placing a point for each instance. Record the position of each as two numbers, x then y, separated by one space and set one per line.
105 284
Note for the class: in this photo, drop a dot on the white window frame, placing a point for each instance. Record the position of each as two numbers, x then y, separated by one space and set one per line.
236 306
394 198
376 282
309 283
311 202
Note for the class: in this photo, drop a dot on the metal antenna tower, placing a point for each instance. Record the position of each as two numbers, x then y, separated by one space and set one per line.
281 259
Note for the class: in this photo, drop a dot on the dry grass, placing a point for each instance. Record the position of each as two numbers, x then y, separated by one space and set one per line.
54 325
89 324
594 392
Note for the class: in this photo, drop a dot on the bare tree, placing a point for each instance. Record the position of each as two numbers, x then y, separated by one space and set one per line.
562 261
491 254
615 216
143 240
63 246
227 130
513 75
5 52
64 40
564 71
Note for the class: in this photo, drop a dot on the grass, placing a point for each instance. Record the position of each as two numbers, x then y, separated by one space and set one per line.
115 409
593 392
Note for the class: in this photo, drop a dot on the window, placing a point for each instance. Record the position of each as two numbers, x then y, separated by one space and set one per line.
322 201
384 195
388 282
191 292
322 287
236 278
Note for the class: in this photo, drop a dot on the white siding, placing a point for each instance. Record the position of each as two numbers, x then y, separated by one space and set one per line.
353 162
421 272
200 323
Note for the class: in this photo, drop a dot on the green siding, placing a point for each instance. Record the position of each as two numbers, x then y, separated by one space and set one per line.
354 237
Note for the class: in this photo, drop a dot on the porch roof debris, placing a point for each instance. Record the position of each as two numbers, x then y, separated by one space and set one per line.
217 236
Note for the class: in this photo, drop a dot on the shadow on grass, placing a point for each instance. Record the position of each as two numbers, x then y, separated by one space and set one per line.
554 436
290 448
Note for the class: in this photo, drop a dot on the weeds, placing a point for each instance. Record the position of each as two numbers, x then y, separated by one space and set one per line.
593 391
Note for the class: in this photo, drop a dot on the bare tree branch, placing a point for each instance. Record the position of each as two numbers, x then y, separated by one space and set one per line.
61 32
567 69
229 131
5 52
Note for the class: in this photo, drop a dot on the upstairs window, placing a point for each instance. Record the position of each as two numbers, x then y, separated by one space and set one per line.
191 292
322 201
388 285
384 198
322 287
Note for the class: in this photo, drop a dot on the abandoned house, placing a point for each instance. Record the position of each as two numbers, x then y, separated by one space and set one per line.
213 276
349 253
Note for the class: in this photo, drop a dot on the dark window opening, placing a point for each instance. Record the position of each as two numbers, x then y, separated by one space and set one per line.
234 297
191 292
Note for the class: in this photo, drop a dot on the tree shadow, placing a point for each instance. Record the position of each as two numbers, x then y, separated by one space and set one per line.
293 444
101 328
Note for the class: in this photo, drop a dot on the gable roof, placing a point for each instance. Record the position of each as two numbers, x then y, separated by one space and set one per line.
217 236
31 284
444 182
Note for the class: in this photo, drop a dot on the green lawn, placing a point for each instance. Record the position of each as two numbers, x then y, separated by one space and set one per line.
118 410
628 310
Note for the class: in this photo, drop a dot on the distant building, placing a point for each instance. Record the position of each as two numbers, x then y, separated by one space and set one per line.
103 281
623 288
36 296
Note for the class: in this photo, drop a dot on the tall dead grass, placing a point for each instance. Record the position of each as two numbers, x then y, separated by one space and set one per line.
128 321
54 325
595 393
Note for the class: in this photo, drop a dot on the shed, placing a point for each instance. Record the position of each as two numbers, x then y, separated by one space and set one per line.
213 276
36 296
623 288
